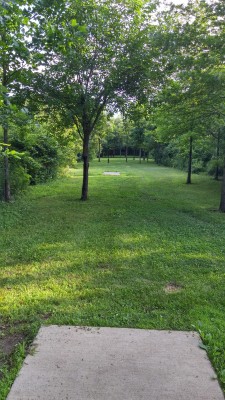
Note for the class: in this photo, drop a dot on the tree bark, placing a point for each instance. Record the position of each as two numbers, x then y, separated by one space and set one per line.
108 156
222 198
190 160
84 194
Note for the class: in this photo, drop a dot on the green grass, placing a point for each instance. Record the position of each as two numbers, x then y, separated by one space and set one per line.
107 261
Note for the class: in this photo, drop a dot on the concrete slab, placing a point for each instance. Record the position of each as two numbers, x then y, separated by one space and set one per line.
111 173
75 363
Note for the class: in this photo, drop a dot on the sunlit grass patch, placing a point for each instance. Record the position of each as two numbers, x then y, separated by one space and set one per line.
107 261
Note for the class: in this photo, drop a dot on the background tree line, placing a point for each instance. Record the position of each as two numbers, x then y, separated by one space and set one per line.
68 67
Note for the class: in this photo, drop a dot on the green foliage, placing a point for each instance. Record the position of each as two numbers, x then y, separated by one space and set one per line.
213 165
175 154
34 156
138 136
45 154
93 60
19 178
91 52
172 155
41 159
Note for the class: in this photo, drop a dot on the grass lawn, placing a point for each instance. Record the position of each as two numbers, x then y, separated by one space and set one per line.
145 251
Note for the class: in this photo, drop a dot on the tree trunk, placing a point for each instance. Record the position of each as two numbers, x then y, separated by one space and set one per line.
108 156
222 199
190 160
217 157
84 195
217 173
140 156
126 153
6 178
99 150
6 188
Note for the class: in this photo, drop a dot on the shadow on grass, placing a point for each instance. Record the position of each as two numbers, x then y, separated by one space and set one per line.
107 262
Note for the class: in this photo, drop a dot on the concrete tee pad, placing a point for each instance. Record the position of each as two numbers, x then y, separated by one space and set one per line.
75 363
111 173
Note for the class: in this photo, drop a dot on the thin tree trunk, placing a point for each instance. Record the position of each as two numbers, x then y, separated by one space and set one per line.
99 150
108 156
6 179
190 160
222 199
217 157
126 153
6 188
217 173
140 156
84 195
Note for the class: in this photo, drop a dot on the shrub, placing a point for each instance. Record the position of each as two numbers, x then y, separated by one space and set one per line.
197 166
212 166
41 159
19 178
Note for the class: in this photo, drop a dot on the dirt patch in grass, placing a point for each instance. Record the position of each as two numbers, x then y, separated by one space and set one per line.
104 266
8 343
46 316
172 288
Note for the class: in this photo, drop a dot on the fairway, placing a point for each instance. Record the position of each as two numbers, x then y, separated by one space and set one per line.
145 251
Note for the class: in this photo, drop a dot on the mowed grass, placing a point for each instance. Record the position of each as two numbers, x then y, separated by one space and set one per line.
145 251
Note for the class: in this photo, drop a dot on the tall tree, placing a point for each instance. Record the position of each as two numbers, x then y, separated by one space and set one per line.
13 56
90 54
195 36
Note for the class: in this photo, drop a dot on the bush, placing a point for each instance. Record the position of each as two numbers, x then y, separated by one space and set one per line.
197 166
19 178
41 159
212 167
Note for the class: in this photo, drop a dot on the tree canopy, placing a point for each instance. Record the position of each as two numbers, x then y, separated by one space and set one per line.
76 60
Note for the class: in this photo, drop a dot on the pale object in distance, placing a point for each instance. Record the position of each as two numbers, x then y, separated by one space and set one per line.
111 173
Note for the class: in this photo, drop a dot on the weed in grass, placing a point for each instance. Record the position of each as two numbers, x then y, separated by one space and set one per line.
10 370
